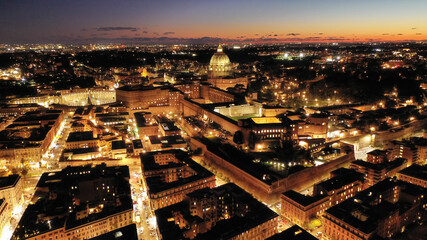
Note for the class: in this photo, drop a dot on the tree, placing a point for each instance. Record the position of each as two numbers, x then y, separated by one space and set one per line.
295 102
197 152
24 171
15 171
390 104
383 126
238 137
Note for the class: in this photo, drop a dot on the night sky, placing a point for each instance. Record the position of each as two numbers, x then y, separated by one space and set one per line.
63 21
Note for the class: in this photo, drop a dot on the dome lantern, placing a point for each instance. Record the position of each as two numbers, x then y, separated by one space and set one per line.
219 49
220 65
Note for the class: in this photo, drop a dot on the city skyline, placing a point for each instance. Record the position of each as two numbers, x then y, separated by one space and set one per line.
194 119
211 22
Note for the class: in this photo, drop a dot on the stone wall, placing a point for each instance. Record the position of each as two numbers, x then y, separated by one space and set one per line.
271 193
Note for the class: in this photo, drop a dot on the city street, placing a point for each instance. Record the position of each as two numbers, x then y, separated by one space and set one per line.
143 215
51 159
49 163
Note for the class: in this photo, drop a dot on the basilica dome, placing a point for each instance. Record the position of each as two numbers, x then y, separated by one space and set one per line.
220 65
219 58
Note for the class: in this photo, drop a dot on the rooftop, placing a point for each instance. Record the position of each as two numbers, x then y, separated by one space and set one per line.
318 115
81 150
166 140
169 126
125 233
361 216
257 214
416 171
9 181
111 114
137 144
377 152
340 181
365 209
24 105
19 138
136 88
293 233
79 111
303 200
80 136
265 120
121 144
36 118
382 166
140 118
60 195
412 142
157 184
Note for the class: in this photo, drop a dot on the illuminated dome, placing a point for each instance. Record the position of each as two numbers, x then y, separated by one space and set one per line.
220 65
220 58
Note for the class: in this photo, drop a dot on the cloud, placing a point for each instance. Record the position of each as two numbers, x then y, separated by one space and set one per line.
268 39
336 39
386 34
144 31
156 40
106 29
417 33
170 39
399 34
276 35
319 33
413 28
83 30
168 33
293 34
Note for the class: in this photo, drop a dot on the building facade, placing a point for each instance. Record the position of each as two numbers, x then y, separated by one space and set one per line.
11 190
170 175
87 202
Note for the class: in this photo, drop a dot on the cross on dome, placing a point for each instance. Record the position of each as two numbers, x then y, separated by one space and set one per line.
219 48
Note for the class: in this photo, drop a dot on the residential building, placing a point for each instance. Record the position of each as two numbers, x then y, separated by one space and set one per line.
414 174
225 212
376 156
78 203
301 209
293 233
377 172
380 211
172 174
78 140
11 190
